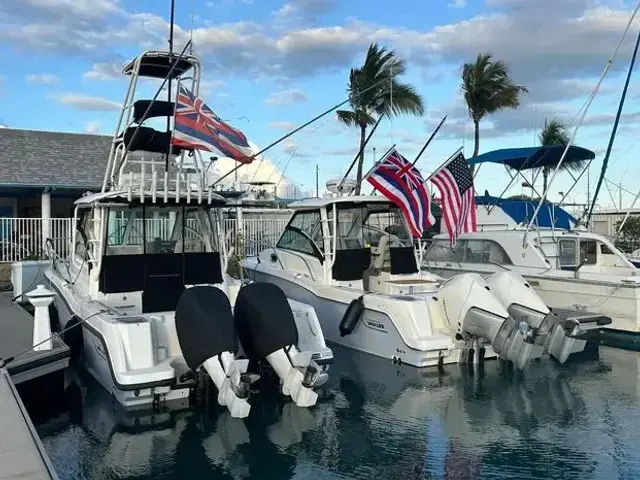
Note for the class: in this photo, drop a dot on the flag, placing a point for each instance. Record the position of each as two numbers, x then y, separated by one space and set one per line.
197 127
455 183
401 182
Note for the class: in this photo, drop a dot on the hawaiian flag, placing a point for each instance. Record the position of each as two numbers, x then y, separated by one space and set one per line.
455 182
197 127
398 180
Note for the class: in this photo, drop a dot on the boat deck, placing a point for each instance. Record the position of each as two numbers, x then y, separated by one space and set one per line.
21 452
16 336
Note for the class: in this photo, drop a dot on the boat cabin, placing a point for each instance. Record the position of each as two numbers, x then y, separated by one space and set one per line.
581 252
359 242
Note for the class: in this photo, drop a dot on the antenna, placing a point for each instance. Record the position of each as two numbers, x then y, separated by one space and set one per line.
166 158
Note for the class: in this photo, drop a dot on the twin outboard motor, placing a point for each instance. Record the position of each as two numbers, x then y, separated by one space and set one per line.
207 335
263 321
267 330
560 337
474 312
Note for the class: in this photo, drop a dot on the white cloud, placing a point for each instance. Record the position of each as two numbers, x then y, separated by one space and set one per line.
86 102
43 79
92 127
458 3
304 9
286 97
105 71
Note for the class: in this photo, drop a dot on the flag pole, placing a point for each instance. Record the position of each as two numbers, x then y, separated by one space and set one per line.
359 153
444 164
364 177
433 134
166 158
295 130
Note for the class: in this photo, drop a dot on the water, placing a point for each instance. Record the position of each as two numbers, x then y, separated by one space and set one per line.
379 421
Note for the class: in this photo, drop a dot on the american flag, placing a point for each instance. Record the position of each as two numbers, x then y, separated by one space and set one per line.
196 126
401 182
455 183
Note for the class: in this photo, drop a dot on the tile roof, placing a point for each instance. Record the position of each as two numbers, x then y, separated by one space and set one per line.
34 158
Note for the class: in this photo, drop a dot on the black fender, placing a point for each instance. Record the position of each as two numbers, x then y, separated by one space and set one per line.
352 316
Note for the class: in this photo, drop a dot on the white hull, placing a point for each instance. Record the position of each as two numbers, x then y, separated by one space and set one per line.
107 360
620 302
375 334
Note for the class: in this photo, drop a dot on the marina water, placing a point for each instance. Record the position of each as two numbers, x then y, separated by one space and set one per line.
377 420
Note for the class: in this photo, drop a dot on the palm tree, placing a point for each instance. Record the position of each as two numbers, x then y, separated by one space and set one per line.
371 96
555 133
487 89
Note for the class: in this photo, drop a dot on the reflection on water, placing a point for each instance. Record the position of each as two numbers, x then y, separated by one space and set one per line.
377 420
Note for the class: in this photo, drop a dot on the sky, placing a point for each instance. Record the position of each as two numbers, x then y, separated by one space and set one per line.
271 65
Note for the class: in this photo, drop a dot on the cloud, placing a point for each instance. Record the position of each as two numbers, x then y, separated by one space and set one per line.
207 86
457 3
286 126
43 79
304 9
105 71
92 127
86 102
286 97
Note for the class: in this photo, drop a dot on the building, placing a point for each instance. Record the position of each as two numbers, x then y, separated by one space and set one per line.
43 173
605 222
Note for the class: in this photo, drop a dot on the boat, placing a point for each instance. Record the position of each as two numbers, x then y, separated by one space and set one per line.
145 281
352 259
567 265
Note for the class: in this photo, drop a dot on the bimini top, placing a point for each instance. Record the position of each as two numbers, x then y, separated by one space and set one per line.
533 157
156 64
521 211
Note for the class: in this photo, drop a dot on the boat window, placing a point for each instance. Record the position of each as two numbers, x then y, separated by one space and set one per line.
389 223
303 234
439 251
82 232
605 250
588 252
481 251
567 253
473 252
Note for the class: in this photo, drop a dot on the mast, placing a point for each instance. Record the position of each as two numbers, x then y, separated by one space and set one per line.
605 162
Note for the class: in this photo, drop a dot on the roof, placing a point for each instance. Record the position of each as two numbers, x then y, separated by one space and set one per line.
323 202
533 157
92 198
32 158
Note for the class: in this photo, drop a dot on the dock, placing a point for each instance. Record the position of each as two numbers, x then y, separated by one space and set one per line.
22 454
16 336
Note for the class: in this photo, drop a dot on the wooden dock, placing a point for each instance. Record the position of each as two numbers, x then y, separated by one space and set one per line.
16 336
22 455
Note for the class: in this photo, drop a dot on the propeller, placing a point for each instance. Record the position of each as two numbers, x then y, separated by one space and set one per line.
240 382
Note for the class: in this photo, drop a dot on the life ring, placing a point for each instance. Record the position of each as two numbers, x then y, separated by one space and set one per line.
352 316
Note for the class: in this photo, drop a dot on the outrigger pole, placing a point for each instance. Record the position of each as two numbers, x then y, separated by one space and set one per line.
166 158
355 159
433 134
295 130
605 161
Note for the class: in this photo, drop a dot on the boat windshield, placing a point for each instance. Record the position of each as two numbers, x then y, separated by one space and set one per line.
160 229
364 225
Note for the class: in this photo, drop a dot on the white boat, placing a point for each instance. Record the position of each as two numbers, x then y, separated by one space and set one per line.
145 278
568 266
365 286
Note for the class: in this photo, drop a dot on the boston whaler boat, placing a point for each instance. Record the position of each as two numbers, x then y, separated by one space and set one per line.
146 279
568 266
352 259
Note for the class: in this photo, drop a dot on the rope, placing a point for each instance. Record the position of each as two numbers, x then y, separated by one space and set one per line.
5 361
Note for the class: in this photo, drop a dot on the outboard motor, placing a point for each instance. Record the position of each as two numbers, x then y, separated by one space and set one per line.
267 330
474 312
207 336
559 337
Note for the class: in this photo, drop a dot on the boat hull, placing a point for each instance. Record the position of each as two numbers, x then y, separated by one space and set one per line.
137 391
375 334
619 302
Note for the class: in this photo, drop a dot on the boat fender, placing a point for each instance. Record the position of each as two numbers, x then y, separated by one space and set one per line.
352 316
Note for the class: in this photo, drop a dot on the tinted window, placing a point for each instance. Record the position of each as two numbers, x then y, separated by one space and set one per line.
567 253
439 251
605 250
588 252
303 234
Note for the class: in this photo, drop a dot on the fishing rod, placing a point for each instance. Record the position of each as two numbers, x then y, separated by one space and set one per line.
171 22
433 134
